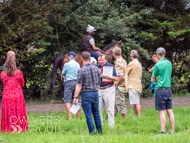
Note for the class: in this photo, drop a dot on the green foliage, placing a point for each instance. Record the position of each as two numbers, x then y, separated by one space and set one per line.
39 31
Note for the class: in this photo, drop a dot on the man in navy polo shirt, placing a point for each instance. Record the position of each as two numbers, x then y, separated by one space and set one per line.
163 99
106 90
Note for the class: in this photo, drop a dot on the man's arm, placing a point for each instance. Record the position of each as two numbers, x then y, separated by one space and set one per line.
151 70
119 81
114 78
77 91
95 48
154 77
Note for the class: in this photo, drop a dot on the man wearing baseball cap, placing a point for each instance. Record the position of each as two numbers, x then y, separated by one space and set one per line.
69 72
163 99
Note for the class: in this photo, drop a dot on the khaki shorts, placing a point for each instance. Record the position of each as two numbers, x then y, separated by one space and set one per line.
134 96
119 102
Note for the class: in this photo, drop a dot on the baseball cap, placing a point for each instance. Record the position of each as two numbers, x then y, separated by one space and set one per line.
71 53
161 50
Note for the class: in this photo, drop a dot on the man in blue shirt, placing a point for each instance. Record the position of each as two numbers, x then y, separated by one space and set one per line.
106 90
69 73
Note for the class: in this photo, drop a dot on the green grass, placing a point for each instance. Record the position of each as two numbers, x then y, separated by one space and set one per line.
54 127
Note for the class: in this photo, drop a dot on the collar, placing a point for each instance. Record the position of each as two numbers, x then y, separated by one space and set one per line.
87 64
118 59
162 59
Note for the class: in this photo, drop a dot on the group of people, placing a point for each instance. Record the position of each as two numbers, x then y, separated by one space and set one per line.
99 83
98 89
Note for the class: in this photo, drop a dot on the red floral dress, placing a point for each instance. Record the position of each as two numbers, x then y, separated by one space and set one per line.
13 109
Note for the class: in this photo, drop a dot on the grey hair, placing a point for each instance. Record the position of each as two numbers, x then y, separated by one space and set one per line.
71 57
134 54
117 51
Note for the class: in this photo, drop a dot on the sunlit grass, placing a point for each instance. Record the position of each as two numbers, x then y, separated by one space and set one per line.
55 127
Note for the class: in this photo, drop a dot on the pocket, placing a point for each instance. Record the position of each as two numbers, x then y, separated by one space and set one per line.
86 98
96 98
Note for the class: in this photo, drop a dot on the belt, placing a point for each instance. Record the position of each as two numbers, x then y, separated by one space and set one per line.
106 86
163 88
71 80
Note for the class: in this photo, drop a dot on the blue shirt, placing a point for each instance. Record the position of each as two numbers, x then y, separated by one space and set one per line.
4 66
70 70
114 74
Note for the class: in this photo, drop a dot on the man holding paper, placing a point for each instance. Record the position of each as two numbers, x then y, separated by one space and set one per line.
69 73
107 89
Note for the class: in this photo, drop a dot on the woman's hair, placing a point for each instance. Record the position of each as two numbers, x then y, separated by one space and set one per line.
154 56
10 66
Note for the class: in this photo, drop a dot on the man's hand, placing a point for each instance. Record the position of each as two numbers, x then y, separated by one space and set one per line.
116 85
75 101
154 79
103 76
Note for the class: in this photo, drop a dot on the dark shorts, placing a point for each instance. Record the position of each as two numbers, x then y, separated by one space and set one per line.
69 91
163 99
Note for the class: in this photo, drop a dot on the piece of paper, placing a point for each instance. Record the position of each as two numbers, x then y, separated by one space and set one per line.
107 70
74 109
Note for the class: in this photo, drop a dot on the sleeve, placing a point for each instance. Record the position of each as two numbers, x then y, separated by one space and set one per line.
64 69
79 77
155 71
125 75
91 41
129 68
114 72
2 79
21 79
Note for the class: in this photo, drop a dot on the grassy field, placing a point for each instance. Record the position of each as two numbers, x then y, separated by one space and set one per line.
54 127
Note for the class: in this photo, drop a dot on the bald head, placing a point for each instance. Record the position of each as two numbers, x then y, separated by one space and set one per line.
117 51
10 54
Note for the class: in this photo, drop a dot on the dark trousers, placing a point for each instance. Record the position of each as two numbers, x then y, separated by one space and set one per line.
94 54
90 104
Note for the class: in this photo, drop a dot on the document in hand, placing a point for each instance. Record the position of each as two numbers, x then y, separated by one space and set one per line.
107 70
74 109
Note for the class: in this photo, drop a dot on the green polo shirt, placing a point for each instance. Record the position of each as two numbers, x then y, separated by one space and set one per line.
163 70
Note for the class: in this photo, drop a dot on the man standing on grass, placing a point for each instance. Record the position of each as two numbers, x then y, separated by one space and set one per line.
69 73
88 80
107 90
134 71
163 100
121 84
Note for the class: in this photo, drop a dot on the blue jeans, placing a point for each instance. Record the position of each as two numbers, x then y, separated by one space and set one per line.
90 104
94 54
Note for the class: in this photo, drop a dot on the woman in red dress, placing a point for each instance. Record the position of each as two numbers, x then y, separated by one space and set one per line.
13 109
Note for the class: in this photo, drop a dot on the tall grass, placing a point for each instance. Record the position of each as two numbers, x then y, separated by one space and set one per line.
55 127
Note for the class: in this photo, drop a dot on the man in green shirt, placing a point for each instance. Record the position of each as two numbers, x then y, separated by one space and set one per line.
163 99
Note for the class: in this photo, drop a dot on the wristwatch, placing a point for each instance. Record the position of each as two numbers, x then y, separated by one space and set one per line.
106 76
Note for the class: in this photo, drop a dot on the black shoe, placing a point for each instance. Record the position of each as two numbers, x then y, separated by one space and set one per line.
162 133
